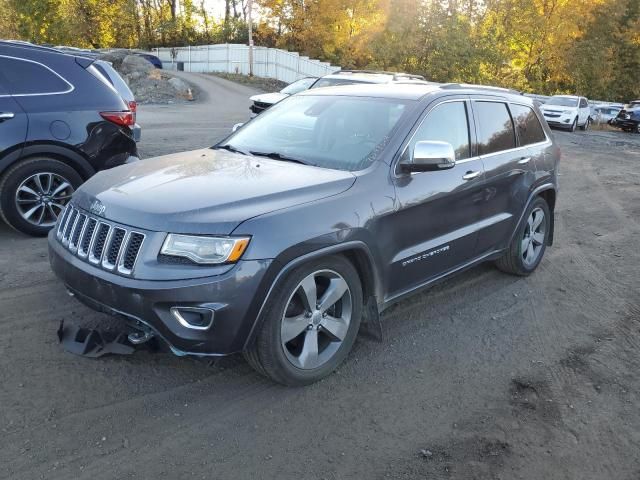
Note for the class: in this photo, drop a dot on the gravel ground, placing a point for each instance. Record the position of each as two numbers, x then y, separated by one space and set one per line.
485 376
175 128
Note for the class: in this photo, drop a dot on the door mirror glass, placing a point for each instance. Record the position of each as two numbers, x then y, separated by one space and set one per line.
429 156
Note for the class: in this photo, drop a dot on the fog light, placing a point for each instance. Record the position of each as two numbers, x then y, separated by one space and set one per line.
195 318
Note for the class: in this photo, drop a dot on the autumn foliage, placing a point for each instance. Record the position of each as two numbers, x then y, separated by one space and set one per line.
589 47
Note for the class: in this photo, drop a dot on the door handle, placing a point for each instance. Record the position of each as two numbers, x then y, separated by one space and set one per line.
524 160
471 175
6 115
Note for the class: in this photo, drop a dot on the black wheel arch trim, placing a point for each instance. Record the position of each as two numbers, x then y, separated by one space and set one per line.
532 196
337 248
72 158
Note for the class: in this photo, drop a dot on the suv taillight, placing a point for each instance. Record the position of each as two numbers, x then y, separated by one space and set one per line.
124 119
133 106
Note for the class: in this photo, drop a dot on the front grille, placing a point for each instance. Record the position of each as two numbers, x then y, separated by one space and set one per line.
102 243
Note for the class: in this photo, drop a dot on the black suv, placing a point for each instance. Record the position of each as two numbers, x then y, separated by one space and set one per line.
312 218
61 120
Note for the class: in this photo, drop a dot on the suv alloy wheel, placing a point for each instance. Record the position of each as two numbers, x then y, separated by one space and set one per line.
310 324
34 192
530 241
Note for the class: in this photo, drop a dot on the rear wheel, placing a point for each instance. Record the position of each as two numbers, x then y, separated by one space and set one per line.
34 192
528 245
310 323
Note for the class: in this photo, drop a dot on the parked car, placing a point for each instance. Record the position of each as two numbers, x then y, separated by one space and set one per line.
628 118
567 111
155 61
113 77
264 100
604 113
279 241
343 77
61 121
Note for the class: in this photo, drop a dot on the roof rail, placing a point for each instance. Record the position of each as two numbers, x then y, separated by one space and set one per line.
455 86
382 72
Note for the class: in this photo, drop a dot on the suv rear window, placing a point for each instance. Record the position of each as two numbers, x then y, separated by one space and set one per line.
496 128
527 125
30 78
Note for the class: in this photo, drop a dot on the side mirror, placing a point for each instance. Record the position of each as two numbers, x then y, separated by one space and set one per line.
236 126
430 156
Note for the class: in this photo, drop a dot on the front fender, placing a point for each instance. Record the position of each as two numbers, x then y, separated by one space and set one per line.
288 261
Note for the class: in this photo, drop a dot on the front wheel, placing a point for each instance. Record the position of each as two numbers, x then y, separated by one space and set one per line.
310 323
573 126
530 241
34 192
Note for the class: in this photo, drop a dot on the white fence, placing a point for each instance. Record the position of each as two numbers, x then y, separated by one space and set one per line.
234 58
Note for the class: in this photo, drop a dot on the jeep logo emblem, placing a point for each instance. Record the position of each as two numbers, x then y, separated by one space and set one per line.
97 208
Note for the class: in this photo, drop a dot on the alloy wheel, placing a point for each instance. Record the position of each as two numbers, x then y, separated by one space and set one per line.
533 238
316 319
41 197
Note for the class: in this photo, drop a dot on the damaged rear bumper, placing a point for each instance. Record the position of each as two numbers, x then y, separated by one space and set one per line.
226 302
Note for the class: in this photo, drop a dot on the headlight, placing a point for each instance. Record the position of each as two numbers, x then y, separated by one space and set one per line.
205 250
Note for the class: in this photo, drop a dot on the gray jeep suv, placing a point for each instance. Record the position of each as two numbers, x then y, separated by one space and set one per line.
311 219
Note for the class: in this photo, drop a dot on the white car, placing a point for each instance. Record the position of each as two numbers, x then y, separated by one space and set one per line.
264 100
567 111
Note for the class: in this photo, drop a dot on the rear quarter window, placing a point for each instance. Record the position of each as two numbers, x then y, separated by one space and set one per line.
495 132
528 126
25 77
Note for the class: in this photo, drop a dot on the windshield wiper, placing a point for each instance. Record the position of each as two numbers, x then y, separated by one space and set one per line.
230 148
279 156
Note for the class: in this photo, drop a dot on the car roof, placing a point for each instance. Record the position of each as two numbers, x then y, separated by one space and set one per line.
415 90
567 96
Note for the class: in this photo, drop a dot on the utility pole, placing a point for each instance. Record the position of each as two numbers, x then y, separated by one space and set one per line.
250 5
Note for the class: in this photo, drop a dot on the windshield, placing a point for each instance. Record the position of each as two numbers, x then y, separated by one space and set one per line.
338 132
298 86
563 101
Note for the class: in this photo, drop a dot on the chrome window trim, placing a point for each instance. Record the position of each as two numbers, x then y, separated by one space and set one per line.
69 90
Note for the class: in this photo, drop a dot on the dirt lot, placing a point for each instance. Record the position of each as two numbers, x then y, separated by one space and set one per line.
486 376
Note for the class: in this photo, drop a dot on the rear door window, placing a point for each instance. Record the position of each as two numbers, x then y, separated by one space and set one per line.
495 131
24 77
527 125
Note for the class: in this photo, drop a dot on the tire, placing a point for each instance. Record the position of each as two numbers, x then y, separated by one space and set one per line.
516 260
30 207
585 127
282 354
573 126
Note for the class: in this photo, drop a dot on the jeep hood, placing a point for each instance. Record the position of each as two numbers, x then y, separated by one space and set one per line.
205 191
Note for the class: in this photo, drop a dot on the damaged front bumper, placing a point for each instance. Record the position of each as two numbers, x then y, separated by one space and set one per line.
222 309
